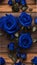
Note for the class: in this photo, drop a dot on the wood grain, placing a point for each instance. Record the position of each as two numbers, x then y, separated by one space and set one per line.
30 56
7 8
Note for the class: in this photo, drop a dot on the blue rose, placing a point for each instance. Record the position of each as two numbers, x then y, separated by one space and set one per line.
35 20
25 41
10 24
11 46
21 55
23 2
2 61
25 19
34 60
10 2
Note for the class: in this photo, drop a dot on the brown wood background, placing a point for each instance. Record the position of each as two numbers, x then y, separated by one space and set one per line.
6 9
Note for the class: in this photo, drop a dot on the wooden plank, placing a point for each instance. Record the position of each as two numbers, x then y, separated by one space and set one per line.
33 49
33 14
28 2
7 8
30 56
5 56
4 41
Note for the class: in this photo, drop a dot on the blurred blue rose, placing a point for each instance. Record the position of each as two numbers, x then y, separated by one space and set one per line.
23 2
34 60
21 55
25 41
10 24
25 19
2 61
10 2
11 46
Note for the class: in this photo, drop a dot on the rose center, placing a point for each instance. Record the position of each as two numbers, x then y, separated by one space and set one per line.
25 41
9 24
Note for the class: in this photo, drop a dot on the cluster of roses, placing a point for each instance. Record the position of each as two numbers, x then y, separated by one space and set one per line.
11 25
